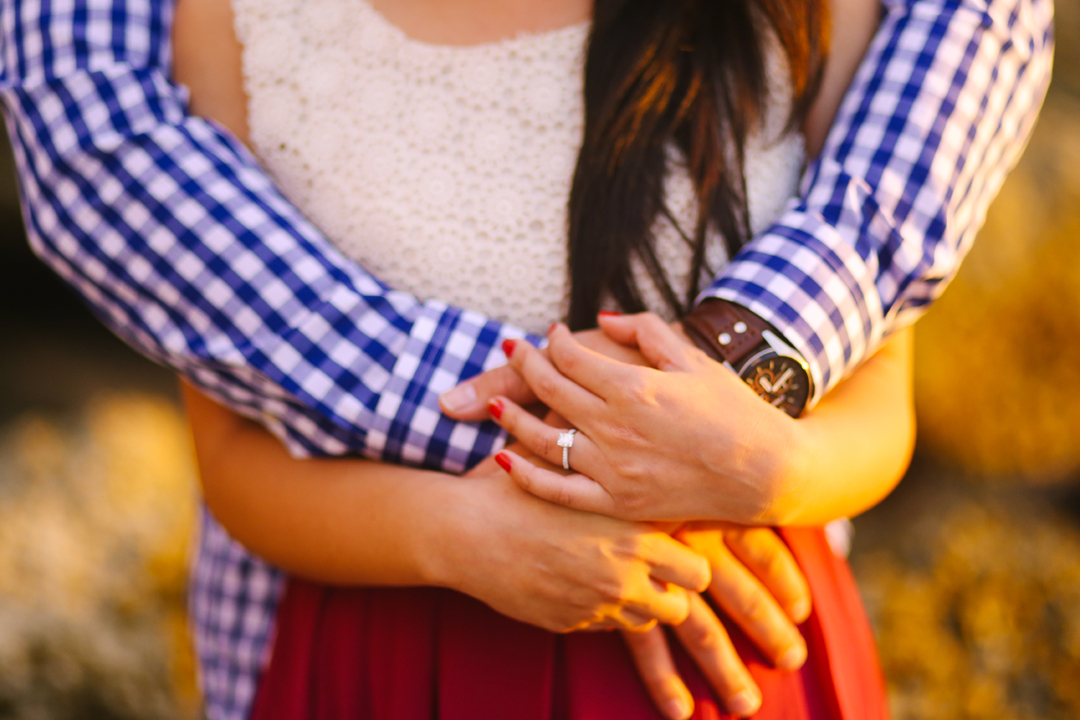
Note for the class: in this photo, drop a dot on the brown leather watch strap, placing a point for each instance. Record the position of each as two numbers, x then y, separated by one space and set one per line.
723 330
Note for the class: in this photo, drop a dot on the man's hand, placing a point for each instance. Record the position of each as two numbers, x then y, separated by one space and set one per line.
469 400
758 585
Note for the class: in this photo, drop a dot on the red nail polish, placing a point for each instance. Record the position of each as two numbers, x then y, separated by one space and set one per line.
609 313
552 328
495 407
504 461
508 347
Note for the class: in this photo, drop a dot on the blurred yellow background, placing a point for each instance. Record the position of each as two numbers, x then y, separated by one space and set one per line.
971 570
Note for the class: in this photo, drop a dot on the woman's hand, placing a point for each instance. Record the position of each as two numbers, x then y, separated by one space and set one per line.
757 583
689 440
558 568
684 439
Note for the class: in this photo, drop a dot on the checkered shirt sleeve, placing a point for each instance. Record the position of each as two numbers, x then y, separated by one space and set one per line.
181 243
938 113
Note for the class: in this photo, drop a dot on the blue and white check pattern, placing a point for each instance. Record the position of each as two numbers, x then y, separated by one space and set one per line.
180 242
939 112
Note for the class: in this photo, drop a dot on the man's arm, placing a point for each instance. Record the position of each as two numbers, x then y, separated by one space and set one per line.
937 114
180 242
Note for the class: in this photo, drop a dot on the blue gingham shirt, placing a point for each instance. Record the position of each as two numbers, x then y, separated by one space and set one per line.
179 241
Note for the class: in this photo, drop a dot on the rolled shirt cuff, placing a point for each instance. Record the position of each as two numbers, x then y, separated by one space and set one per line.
813 287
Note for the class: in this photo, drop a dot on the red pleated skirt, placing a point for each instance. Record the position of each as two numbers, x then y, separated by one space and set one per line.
432 654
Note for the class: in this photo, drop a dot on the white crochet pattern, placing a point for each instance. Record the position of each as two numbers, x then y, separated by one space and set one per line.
445 170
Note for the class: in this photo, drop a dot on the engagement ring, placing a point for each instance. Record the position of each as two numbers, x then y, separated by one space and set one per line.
566 441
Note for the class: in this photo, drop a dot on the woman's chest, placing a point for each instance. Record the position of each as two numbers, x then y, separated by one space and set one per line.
442 170
445 171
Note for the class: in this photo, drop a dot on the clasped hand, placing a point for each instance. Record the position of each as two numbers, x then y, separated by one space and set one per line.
636 458
680 438
568 570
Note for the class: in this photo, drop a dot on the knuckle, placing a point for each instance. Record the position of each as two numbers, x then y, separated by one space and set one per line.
735 535
653 320
628 467
631 546
625 435
505 381
763 543
563 357
524 478
632 504
561 495
613 591
546 444
702 636
773 564
545 388
636 388
754 608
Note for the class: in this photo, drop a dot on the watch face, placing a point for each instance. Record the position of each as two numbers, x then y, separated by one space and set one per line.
780 381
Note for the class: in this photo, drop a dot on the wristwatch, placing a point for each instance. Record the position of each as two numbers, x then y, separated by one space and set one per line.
753 350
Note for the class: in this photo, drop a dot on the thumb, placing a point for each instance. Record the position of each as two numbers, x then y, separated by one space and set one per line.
661 346
469 400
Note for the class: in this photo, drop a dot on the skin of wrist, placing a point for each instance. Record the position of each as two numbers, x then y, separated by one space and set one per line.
439 534
453 531
768 471
767 485
789 474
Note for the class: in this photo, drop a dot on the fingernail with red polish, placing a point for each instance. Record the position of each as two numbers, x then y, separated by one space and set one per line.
508 347
608 313
551 329
495 407
504 461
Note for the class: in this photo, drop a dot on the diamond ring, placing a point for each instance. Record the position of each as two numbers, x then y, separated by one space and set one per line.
566 441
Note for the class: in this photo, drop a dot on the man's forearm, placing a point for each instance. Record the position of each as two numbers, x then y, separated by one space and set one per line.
938 113
178 240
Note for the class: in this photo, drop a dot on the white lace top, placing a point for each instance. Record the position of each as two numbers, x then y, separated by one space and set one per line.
445 170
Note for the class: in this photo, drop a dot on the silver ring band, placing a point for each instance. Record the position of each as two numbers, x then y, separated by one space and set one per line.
566 441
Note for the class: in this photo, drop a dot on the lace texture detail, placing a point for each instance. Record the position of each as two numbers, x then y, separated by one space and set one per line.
445 170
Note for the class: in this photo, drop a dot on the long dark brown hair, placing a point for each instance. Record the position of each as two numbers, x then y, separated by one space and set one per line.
684 73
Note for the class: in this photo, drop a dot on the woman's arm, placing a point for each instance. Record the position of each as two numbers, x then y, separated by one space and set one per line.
313 517
689 440
362 522
855 445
